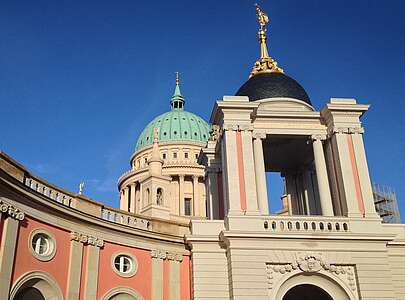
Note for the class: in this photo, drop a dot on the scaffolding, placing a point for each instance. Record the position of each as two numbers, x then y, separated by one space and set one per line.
385 201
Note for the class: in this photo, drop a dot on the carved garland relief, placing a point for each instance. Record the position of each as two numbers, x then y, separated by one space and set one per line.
311 263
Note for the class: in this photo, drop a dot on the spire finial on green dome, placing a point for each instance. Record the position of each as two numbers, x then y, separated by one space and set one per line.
177 102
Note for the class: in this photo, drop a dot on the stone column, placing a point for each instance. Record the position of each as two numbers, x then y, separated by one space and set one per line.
8 245
203 199
230 171
249 171
122 200
322 177
196 196
157 274
133 198
174 279
137 197
309 193
92 266
75 268
260 173
181 194
212 193
126 198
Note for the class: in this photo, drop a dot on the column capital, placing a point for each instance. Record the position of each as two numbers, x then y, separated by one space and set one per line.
347 130
163 254
236 127
318 137
356 130
259 134
11 211
245 127
230 127
86 239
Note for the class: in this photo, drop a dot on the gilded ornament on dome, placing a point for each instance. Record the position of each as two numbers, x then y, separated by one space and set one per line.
265 64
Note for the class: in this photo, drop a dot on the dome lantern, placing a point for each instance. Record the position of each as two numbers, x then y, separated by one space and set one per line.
176 125
177 102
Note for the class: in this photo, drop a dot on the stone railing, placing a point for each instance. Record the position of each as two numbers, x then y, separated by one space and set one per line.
305 224
49 192
120 217
88 206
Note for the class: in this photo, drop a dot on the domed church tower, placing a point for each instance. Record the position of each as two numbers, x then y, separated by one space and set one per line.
178 136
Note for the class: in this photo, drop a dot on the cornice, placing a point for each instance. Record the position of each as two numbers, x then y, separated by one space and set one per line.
68 218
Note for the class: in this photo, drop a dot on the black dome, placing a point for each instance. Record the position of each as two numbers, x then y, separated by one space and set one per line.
271 85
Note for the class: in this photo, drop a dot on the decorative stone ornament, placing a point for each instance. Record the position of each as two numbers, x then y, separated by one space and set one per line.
310 263
86 239
11 211
215 133
162 254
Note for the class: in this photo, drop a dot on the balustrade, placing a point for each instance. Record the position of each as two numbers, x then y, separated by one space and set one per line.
305 224
49 192
124 219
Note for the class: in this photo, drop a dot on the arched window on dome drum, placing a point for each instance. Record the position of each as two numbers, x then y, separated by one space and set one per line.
159 196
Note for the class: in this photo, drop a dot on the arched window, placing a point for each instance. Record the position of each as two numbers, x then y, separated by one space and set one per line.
29 293
36 285
122 293
307 291
159 196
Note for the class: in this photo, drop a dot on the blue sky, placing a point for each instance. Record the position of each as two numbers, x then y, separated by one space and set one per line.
80 79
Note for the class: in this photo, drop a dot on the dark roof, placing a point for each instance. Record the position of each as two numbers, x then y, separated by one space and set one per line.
272 85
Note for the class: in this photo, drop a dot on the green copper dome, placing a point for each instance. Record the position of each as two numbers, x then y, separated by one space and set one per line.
175 125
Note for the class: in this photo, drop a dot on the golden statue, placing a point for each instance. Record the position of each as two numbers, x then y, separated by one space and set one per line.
265 64
262 17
